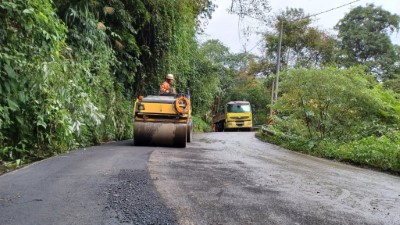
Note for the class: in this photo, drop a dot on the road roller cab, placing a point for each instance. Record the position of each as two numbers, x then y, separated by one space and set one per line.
163 120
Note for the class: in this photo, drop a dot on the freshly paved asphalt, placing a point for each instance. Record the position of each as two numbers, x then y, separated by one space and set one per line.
107 184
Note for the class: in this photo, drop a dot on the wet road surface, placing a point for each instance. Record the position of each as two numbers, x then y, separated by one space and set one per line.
233 178
220 178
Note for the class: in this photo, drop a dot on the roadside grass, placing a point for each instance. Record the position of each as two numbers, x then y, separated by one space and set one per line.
3 169
200 126
379 153
8 166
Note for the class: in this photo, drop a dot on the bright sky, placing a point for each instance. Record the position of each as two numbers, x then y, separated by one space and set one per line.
226 27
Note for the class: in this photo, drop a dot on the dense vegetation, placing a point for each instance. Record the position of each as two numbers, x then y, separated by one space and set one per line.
339 113
338 97
70 70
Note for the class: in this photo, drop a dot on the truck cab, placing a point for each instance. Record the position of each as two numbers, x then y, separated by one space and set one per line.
237 115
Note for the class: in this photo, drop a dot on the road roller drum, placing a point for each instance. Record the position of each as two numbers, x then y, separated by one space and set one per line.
160 134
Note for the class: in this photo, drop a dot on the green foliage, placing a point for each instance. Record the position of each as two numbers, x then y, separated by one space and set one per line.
342 114
364 39
31 36
302 44
204 85
235 77
90 46
342 104
200 126
69 68
254 90
209 76
379 152
293 142
393 84
169 42
375 152
55 103
215 52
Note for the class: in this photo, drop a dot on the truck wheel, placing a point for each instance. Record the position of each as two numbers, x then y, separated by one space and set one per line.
220 127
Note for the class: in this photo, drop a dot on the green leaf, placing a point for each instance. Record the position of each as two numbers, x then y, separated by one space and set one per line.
20 120
10 71
41 122
12 105
28 11
22 96
6 5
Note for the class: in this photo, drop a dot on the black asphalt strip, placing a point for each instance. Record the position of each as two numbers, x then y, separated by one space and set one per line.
132 199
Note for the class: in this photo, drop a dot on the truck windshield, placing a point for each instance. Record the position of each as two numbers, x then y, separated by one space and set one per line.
238 108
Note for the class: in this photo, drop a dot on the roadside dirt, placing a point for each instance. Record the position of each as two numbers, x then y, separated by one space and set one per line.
233 178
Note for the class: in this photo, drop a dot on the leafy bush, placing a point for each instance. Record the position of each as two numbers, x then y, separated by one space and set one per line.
55 97
343 104
200 126
31 37
380 152
376 152
340 114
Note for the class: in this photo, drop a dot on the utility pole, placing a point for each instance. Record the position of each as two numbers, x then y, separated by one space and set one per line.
275 83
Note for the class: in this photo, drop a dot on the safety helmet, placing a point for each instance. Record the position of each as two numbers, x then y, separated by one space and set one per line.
170 77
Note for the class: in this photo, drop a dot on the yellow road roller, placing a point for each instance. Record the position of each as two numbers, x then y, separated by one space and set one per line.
163 120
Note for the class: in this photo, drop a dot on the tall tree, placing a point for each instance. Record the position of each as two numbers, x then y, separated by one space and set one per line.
302 44
394 82
364 39
238 79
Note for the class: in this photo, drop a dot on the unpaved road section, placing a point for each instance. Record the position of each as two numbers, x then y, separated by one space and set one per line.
233 178
107 184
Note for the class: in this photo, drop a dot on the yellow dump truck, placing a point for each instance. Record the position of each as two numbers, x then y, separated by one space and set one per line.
163 120
237 115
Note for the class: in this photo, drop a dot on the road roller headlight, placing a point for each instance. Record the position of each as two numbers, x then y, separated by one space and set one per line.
141 107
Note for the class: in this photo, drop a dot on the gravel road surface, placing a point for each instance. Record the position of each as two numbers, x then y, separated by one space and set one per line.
233 178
